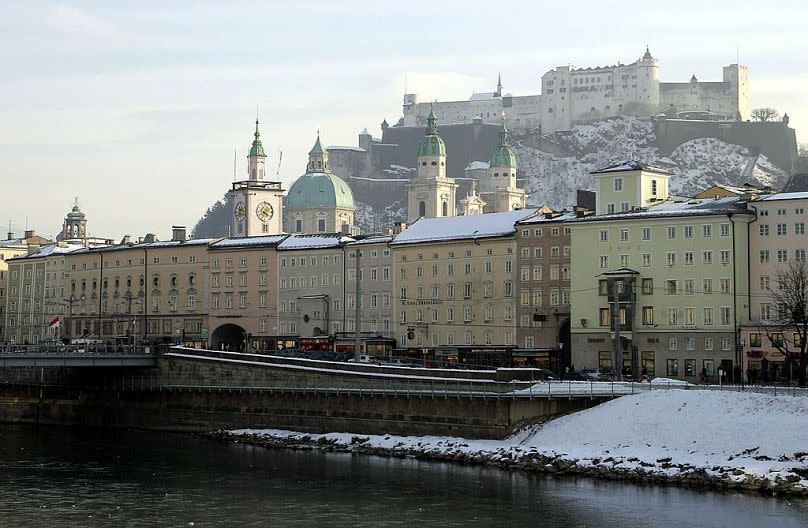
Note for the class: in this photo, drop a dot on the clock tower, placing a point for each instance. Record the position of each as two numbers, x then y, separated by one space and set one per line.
257 202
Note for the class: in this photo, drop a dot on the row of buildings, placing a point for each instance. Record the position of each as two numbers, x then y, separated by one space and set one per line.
645 280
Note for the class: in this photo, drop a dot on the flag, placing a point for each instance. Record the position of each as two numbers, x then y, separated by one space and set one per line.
54 324
132 326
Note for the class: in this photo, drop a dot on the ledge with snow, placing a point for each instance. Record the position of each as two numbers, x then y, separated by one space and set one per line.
727 440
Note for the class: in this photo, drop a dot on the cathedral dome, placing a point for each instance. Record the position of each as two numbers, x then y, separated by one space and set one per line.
75 213
432 144
503 155
319 189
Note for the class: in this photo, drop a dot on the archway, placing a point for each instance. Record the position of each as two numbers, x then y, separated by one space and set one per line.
421 209
228 337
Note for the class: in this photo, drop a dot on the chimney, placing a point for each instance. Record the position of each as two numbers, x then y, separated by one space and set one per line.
149 238
399 227
10 235
126 240
29 233
178 233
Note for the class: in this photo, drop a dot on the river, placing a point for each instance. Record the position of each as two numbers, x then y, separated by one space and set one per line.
59 476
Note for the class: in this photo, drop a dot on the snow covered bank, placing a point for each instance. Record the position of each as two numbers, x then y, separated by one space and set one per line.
702 438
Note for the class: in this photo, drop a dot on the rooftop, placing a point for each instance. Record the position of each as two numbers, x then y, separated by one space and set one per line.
690 207
244 242
462 227
314 241
631 166
784 196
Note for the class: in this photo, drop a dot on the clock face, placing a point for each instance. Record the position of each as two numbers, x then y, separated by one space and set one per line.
240 211
264 211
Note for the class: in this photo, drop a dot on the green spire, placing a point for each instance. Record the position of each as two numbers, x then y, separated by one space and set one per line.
318 147
257 149
503 155
432 144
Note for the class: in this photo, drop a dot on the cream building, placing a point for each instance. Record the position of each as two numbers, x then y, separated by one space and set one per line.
375 286
311 285
431 194
455 282
319 201
8 249
243 283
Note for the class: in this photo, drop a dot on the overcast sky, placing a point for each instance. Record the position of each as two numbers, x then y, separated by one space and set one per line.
137 109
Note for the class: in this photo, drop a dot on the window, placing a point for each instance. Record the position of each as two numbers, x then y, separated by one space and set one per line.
646 233
670 287
688 286
688 231
672 344
467 290
605 360
690 343
610 208
690 367
764 256
688 258
671 232
723 257
725 315
708 316
765 311
624 235
646 260
647 315
605 317
799 255
604 261
723 285
671 257
764 229
673 316
618 184
782 255
765 282
726 343
724 230
648 286
799 228
690 316
707 286
707 257
653 182
707 230
709 367
649 362
604 236
782 230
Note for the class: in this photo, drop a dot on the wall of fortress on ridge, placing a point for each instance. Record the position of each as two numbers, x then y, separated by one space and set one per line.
570 95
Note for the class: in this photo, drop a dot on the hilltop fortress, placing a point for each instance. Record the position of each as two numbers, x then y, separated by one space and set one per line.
570 95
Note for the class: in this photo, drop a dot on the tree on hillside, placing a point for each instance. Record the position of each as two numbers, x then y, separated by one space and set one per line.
765 114
801 164
788 330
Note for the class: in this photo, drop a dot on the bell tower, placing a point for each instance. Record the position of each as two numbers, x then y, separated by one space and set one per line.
431 194
257 202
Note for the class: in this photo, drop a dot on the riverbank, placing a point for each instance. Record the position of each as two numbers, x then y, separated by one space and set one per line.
717 440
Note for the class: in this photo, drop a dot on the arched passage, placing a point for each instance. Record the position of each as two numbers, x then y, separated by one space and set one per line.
228 337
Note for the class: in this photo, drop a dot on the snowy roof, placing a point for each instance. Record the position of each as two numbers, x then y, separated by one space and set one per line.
691 207
169 243
267 240
345 147
784 196
13 242
476 165
324 240
373 239
479 96
462 227
564 216
631 166
51 249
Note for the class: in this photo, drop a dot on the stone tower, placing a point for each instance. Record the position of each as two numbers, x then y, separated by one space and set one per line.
505 195
431 193
257 203
74 228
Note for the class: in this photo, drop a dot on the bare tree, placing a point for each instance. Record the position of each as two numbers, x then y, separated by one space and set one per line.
765 114
788 331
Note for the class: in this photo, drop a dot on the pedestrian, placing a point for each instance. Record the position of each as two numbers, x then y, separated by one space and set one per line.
736 375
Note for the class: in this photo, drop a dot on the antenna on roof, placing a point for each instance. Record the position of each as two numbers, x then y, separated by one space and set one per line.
405 83
280 158
737 54
234 164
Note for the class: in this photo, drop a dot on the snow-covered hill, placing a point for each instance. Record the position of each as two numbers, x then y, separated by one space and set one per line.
553 178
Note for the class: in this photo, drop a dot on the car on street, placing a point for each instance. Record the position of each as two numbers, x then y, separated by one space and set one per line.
575 376
595 374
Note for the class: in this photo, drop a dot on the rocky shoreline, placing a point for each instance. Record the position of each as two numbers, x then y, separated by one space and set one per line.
792 482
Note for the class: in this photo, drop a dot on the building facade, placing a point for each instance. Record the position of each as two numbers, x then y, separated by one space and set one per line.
674 273
243 283
777 238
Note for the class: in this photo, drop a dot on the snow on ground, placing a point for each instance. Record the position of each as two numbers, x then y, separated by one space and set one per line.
733 435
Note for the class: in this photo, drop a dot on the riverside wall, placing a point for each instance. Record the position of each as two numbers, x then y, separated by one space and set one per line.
197 396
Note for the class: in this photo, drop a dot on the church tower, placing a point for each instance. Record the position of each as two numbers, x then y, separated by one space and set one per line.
257 202
502 173
431 194
74 228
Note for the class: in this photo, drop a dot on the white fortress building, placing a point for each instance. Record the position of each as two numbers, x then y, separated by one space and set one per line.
570 95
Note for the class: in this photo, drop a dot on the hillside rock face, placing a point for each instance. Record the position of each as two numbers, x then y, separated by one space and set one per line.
551 167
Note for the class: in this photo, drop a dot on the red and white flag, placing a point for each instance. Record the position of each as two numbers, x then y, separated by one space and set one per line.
132 326
54 324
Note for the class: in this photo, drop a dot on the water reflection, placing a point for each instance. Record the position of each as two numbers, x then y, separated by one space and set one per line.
79 477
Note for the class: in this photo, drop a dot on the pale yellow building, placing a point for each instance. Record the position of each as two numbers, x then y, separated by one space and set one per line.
455 287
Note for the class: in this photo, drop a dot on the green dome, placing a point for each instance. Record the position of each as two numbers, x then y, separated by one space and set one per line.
432 144
76 213
503 155
319 189
257 149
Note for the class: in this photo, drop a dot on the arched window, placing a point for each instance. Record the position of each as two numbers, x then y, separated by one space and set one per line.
421 209
445 209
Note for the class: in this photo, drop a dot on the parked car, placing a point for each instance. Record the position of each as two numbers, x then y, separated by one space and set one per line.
544 375
595 374
571 375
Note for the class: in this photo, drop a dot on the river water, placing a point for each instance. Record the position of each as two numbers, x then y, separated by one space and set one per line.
63 477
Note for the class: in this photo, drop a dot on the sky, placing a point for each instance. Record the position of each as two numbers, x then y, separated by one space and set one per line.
137 108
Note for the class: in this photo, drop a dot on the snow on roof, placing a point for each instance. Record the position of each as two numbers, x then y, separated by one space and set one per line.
630 166
52 249
372 239
168 243
691 207
476 165
478 96
784 196
462 227
564 216
314 241
345 147
267 240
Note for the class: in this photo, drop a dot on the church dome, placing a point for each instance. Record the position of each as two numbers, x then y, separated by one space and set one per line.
319 189
432 144
503 155
75 213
